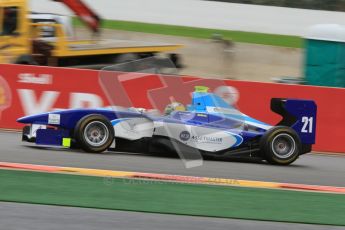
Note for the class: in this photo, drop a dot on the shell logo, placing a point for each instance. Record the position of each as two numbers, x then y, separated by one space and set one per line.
5 95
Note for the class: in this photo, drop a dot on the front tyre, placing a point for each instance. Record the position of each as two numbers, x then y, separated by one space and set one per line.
280 145
94 133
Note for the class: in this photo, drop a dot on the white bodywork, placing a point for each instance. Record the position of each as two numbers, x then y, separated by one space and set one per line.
133 128
203 138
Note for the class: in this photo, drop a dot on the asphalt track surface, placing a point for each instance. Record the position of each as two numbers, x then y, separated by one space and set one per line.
16 216
315 169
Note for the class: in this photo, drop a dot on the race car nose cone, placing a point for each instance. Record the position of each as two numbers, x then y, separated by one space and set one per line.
33 119
23 120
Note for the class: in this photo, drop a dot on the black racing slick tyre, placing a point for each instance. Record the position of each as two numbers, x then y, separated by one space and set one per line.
280 145
94 133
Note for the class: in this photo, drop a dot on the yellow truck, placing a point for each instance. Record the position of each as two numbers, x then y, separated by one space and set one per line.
21 40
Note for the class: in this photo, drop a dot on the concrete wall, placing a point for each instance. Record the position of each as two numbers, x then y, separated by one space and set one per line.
206 14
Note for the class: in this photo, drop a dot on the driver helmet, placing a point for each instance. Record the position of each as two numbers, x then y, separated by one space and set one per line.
175 106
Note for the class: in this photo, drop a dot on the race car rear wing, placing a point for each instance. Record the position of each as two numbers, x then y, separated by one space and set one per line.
299 115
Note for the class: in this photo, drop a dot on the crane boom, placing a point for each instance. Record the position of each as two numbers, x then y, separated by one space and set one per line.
84 13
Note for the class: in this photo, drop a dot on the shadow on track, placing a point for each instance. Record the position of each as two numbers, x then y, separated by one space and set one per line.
165 155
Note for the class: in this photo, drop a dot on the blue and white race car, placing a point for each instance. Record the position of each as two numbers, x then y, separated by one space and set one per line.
208 126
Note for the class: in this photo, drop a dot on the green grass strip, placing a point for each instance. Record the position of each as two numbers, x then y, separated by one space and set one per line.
162 197
184 31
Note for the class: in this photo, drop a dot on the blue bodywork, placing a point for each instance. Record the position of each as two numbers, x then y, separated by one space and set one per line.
206 110
70 117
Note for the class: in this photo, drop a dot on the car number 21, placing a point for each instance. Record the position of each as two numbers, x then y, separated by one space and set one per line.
307 125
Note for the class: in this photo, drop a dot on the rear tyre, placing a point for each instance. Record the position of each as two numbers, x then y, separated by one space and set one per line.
94 133
26 60
280 145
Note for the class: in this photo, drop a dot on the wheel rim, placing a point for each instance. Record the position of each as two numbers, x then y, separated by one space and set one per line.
96 133
283 146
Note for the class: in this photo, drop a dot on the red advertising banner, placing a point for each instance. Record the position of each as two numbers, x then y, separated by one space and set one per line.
26 90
